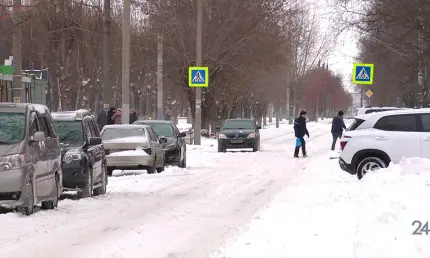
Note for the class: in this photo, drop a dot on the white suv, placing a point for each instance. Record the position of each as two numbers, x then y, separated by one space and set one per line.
376 139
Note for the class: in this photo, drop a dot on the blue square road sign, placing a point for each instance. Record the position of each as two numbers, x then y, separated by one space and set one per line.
198 76
363 74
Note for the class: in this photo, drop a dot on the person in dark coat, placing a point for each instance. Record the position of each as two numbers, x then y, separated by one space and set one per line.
102 118
300 131
110 114
337 127
133 115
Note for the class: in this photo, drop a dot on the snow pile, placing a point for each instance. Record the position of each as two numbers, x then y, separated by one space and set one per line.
325 212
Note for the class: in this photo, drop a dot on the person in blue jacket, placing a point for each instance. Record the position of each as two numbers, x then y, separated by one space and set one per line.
300 131
337 127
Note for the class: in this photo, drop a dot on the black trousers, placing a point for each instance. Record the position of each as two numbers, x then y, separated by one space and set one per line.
303 146
335 136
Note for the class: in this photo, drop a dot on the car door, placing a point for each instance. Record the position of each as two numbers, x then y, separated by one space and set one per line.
180 140
96 151
398 136
46 177
90 151
156 146
36 151
425 135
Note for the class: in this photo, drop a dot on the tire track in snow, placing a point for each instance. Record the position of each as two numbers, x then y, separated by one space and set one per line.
230 194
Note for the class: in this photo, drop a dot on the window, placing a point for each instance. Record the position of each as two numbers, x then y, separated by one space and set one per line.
357 122
91 127
87 130
404 123
152 135
425 120
43 126
51 127
238 124
33 127
95 127
12 127
162 129
70 132
124 132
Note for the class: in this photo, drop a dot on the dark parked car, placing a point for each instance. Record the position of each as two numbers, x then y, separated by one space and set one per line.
30 166
239 134
83 156
175 148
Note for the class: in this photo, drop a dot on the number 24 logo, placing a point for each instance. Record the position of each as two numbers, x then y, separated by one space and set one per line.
421 228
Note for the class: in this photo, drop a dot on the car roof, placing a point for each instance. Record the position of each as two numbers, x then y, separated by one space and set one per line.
238 119
119 126
21 107
75 115
393 112
152 121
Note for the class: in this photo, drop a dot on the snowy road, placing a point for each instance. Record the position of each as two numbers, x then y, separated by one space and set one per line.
179 213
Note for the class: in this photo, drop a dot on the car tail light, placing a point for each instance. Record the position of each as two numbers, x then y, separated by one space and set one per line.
343 143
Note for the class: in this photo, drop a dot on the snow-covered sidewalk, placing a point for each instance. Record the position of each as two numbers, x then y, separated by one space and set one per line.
327 213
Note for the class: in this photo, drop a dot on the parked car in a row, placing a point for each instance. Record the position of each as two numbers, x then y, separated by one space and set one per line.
44 153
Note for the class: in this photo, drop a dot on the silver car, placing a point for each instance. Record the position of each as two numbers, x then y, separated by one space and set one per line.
30 164
133 147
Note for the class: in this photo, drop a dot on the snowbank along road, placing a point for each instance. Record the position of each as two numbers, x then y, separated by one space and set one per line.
178 213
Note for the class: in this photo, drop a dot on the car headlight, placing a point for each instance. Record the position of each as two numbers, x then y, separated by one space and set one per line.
222 136
12 162
69 157
251 135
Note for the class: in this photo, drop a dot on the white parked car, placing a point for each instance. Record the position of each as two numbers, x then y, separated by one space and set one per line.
375 140
133 147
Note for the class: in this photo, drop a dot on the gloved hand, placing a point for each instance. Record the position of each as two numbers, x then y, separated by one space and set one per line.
307 135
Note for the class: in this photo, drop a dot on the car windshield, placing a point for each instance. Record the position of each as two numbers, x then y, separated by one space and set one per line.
238 124
70 132
12 127
117 133
162 129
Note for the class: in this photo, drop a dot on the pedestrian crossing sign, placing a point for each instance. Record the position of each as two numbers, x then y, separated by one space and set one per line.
363 74
198 76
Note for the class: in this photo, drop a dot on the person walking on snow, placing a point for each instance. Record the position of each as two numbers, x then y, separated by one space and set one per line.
117 116
300 131
337 126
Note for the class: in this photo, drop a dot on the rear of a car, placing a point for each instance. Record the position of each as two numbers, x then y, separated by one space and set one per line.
358 136
126 147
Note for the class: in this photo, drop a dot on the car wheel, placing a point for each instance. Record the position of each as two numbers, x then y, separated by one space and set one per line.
221 149
29 209
88 189
183 163
102 189
369 164
110 171
52 204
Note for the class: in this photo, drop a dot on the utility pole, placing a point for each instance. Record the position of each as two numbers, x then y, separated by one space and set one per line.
198 115
107 54
125 118
18 91
160 109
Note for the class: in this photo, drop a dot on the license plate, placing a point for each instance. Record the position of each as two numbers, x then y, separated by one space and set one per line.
236 141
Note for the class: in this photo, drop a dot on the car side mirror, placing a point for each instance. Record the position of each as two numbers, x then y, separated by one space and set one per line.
182 135
95 141
38 137
163 139
258 127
